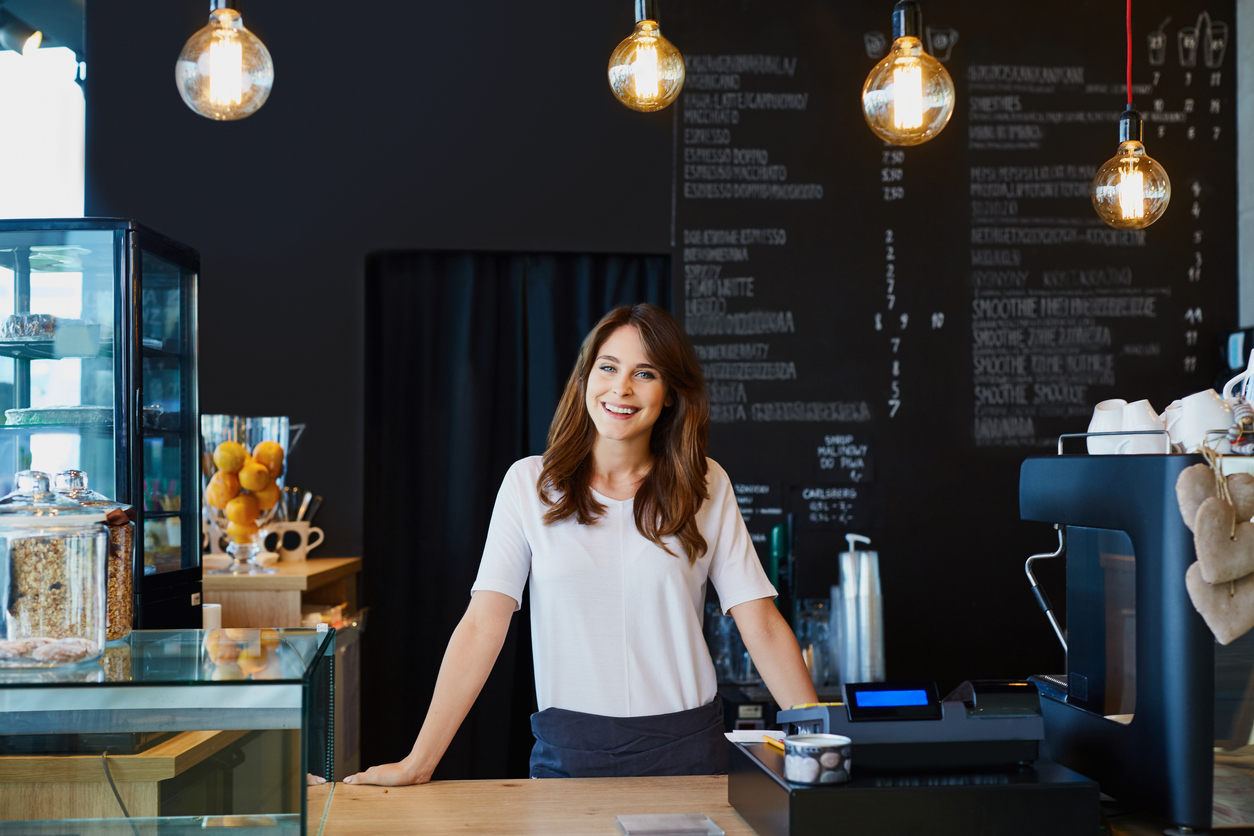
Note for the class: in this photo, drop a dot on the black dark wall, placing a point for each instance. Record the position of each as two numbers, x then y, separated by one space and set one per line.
392 126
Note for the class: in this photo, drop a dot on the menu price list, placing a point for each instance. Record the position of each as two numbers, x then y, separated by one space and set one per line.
735 120
1065 311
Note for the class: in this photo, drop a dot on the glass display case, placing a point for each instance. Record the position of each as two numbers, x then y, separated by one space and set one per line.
172 730
98 373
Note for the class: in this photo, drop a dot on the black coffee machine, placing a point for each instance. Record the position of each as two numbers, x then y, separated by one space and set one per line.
1149 703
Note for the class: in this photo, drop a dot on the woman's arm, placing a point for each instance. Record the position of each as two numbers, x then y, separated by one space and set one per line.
471 652
774 651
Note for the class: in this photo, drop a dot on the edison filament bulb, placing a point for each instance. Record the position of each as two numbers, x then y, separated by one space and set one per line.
646 71
224 71
908 97
1132 189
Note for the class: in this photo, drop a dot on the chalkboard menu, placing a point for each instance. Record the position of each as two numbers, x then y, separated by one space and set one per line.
887 332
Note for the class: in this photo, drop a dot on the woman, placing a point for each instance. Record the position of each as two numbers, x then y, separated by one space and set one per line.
618 526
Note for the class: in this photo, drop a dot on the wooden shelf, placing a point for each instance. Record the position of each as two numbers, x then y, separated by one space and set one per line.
275 600
300 575
165 760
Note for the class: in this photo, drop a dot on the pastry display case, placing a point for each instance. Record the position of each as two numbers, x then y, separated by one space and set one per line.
172 730
98 374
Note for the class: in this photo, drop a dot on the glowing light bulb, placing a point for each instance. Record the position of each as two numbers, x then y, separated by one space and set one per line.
1131 190
908 105
1131 193
908 97
224 71
646 71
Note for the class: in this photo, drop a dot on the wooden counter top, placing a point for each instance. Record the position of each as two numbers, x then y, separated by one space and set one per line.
549 807
297 575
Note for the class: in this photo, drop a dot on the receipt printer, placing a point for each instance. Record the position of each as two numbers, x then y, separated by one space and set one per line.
903 727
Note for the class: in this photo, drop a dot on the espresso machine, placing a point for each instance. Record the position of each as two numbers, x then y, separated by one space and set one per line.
1150 706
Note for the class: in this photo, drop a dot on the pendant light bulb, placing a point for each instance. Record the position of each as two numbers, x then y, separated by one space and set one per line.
1132 189
224 71
908 97
646 71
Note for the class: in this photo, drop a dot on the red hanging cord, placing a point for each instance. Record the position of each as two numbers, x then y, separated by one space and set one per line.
1129 54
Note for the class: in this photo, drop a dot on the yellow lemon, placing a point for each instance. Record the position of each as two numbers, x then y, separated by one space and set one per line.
252 659
270 454
254 477
268 497
220 648
243 509
222 488
230 456
242 532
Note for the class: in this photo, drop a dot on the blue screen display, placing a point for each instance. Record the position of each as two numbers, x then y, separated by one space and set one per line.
889 699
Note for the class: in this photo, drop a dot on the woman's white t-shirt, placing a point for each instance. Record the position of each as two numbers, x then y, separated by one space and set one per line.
615 620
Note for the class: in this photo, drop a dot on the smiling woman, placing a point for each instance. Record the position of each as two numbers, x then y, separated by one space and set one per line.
616 532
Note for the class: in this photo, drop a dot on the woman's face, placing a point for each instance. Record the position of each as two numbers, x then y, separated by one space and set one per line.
625 391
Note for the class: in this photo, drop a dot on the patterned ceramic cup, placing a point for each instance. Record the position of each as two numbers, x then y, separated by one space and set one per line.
817 758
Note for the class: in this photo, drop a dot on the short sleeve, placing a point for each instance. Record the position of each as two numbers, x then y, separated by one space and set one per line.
735 569
506 561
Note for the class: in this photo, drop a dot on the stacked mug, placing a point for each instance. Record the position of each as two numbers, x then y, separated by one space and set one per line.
1185 425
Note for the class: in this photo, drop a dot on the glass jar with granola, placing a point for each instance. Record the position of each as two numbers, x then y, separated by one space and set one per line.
53 552
120 575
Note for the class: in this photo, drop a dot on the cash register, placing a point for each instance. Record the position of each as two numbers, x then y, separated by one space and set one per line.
968 763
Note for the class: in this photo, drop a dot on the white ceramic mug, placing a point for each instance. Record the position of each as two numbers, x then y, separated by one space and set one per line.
1202 412
292 540
1230 386
1107 418
1140 416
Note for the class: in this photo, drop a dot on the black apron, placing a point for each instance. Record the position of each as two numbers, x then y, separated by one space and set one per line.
571 744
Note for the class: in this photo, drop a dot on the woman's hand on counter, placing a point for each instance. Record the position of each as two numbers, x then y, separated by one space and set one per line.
390 775
471 652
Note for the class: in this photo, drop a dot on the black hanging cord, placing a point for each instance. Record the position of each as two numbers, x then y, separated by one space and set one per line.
104 761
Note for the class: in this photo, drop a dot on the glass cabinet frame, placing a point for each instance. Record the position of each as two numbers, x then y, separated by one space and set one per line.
154 286
156 684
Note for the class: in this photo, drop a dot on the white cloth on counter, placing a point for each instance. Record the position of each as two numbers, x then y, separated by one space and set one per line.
615 620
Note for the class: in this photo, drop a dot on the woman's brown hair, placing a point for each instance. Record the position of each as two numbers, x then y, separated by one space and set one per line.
669 497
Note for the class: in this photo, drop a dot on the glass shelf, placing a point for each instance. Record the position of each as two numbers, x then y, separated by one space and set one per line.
103 430
47 350
151 352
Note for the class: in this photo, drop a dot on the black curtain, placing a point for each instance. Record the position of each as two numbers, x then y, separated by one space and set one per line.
466 357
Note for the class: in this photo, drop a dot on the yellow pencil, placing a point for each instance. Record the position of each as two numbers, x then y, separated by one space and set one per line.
773 742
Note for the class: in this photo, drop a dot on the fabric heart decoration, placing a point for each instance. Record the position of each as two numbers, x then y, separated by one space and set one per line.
1196 484
1221 556
1227 608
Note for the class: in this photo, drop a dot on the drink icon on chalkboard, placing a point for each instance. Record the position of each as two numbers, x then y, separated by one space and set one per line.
876 45
1186 42
940 42
1158 45
1215 43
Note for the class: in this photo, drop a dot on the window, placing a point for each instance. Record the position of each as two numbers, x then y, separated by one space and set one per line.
41 134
